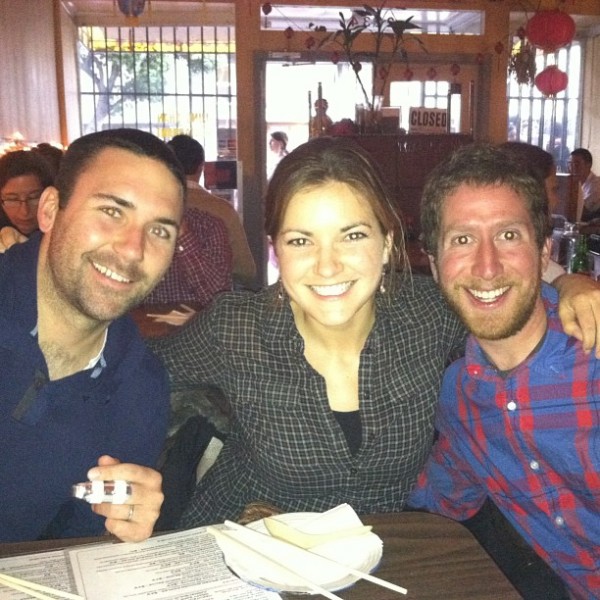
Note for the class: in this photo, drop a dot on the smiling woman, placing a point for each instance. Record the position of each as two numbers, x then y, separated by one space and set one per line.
332 372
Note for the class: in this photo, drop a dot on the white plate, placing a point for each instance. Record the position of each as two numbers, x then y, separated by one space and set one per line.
361 552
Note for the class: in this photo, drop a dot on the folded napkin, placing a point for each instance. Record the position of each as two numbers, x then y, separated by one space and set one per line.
362 552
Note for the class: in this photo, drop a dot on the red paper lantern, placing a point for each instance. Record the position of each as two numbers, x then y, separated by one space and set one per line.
551 81
408 74
431 73
455 69
267 8
550 30
310 42
289 33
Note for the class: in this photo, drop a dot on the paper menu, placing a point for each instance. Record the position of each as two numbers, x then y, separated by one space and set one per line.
179 566
48 568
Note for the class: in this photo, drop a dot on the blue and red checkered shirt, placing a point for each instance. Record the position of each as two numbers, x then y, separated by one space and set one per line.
530 440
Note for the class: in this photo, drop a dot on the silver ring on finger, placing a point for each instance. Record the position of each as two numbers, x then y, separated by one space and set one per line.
130 514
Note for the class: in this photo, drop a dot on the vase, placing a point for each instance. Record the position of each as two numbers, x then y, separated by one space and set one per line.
368 116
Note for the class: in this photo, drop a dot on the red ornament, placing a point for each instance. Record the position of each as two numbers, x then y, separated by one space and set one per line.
551 81
408 74
455 69
267 8
335 57
310 42
550 30
499 48
432 73
289 33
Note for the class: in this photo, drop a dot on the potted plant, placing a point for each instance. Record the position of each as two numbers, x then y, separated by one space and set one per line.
388 38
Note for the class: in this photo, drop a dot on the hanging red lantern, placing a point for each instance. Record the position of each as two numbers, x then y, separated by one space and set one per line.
431 73
310 42
335 57
550 30
551 81
267 8
289 33
499 48
455 69
408 74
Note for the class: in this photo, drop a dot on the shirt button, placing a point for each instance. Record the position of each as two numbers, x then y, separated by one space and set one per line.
535 465
512 405
559 521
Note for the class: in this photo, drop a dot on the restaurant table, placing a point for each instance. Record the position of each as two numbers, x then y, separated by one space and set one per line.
433 557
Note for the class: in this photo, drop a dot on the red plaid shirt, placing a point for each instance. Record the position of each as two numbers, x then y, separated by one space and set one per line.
202 263
530 440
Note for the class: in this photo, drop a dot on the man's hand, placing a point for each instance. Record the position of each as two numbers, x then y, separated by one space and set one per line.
9 236
133 521
579 309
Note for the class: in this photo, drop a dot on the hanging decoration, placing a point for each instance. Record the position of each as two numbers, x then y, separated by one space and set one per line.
266 9
454 69
521 62
408 74
550 30
131 8
431 73
551 81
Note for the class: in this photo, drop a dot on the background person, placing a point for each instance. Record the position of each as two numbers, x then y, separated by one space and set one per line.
191 155
332 373
23 177
543 167
80 390
581 168
278 142
201 265
517 415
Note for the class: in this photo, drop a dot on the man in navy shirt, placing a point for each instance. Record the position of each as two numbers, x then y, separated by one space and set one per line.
81 397
519 415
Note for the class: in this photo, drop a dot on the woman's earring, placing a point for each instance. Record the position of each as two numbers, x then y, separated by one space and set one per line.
382 282
279 290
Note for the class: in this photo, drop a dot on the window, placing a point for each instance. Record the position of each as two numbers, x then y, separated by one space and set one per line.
551 123
166 80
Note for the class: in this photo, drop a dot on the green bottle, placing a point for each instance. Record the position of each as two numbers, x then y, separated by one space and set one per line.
581 262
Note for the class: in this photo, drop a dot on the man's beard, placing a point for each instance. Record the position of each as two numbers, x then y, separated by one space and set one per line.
498 326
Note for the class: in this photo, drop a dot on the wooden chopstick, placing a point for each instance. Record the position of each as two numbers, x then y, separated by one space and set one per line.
36 590
314 587
356 572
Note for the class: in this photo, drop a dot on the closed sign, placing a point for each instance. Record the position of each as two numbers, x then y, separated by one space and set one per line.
428 120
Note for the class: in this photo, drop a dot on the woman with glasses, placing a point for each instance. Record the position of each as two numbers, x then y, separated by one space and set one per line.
23 177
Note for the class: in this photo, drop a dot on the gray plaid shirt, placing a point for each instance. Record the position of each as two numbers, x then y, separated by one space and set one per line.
285 446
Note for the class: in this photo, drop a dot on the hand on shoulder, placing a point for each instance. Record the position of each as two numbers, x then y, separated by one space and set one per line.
9 236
